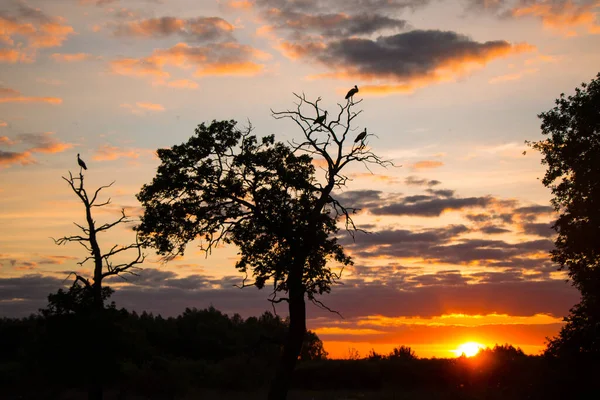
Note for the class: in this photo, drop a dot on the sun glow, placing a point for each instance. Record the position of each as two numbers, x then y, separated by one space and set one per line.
469 349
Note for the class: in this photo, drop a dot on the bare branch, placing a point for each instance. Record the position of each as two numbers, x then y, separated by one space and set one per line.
320 304
122 219
98 191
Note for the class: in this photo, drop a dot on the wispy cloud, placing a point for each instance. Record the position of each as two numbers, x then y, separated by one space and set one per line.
198 29
73 57
213 59
569 17
8 158
8 95
39 30
426 164
514 76
30 143
110 153
565 16
139 108
13 56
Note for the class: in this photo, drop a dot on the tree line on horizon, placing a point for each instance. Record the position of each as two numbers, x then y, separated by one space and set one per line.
170 358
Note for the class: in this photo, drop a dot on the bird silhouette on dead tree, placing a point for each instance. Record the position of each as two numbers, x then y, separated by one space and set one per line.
351 92
80 162
361 136
321 119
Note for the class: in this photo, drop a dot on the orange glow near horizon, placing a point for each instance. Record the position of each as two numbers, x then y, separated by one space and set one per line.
342 349
469 349
444 336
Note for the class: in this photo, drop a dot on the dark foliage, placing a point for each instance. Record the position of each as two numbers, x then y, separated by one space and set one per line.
572 156
152 357
144 354
226 185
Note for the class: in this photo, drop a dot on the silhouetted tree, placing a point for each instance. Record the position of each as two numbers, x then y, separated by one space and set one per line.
572 155
103 266
312 349
403 353
76 300
225 185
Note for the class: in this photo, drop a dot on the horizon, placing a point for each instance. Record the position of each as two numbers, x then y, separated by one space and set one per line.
451 89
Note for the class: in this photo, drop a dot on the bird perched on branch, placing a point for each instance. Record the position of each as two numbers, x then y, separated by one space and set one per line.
352 92
321 119
361 136
80 162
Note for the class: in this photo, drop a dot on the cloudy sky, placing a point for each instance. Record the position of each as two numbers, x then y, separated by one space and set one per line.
450 88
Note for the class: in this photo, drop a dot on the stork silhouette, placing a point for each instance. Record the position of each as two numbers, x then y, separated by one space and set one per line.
361 136
80 162
321 119
352 92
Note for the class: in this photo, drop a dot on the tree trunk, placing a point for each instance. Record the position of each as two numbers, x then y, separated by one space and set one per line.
97 343
293 344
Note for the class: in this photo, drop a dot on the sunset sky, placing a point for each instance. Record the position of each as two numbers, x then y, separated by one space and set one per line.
451 89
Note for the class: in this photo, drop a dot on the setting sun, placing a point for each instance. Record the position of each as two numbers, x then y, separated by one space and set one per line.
469 349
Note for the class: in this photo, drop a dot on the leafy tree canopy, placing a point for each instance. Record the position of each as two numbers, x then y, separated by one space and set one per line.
226 185
572 155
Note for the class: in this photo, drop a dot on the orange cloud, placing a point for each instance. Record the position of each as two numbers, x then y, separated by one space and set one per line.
247 68
8 158
13 56
74 57
2 125
296 51
240 4
375 177
110 153
459 320
427 164
51 34
6 141
214 59
36 143
8 95
447 70
140 107
564 17
46 143
542 58
150 106
38 29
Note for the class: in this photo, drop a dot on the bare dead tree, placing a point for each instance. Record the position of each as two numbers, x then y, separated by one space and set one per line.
103 267
88 239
